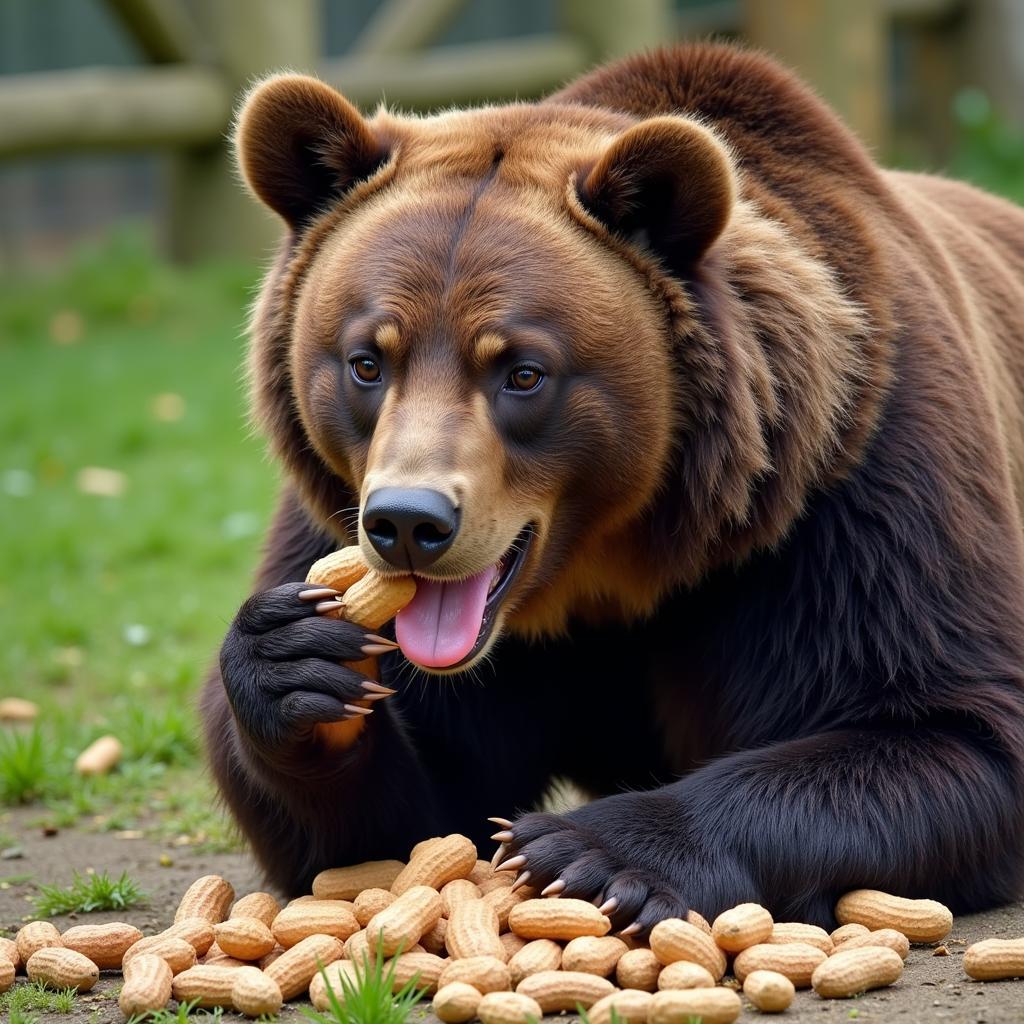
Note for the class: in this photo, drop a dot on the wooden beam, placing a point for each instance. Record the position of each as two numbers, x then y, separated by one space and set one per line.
102 108
459 74
163 29
404 26
839 46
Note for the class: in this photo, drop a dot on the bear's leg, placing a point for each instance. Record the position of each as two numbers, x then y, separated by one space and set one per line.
925 811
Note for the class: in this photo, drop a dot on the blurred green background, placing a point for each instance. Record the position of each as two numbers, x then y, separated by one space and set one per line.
133 496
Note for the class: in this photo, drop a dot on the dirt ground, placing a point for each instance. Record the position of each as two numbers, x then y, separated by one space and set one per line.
933 988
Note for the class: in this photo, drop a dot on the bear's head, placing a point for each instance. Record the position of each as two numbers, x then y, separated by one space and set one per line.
477 351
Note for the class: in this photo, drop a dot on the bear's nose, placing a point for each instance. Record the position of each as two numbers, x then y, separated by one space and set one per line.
410 527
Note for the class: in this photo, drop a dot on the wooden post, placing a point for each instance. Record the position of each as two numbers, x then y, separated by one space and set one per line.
210 214
839 46
614 28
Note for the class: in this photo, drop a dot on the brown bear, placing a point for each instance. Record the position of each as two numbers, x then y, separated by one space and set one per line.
704 439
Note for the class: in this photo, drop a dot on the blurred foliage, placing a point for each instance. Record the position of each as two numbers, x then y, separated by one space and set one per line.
989 151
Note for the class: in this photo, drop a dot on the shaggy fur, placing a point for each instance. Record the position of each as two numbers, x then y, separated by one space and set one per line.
772 616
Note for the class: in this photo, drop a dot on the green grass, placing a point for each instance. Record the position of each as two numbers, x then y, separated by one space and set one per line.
370 1000
113 606
182 1014
87 893
24 1000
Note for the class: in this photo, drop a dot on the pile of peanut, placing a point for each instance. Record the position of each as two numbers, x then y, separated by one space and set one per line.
485 949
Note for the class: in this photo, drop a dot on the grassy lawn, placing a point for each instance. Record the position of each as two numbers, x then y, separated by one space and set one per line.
113 603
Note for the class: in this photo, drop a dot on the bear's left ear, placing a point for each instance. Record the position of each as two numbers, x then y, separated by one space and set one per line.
301 145
667 180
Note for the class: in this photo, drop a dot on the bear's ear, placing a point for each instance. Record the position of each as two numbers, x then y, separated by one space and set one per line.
300 145
666 181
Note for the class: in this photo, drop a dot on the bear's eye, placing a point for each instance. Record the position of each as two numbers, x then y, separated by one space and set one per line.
524 378
365 370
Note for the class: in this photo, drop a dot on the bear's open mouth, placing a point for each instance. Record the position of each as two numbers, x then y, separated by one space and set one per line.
448 622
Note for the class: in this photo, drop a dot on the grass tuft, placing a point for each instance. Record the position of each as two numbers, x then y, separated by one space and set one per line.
87 893
371 1000
25 767
181 1015
21 1002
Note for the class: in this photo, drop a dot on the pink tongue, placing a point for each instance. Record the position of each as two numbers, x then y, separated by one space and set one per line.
440 625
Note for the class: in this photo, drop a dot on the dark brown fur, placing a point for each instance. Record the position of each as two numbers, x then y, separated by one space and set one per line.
774 602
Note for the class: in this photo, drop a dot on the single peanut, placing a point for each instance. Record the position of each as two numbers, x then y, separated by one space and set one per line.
698 922
400 926
639 969
847 931
473 930
709 1005
205 984
674 939
209 897
335 976
508 1008
458 890
348 883
631 1006
448 858
340 569
512 943
919 920
9 951
536 956
792 931
62 968
851 971
562 990
259 905
254 993
796 960
147 986
265 961
244 938
7 973
995 959
17 709
104 944
294 968
889 937
683 974
216 957
499 880
769 991
100 757
456 1003
742 926
317 917
481 872
503 899
484 973
593 954
178 954
424 967
34 936
372 901
376 599
196 931
557 919
433 941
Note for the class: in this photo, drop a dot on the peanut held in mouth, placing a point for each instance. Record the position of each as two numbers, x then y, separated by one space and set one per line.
367 599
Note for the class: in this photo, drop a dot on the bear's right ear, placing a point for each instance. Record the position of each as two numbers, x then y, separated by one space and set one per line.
666 181
300 145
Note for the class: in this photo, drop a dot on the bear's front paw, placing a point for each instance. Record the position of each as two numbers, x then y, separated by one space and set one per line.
563 858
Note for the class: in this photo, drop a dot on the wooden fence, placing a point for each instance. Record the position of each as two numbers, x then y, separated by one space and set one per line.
201 56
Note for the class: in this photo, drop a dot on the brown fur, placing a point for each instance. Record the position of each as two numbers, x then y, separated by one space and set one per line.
775 471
